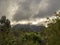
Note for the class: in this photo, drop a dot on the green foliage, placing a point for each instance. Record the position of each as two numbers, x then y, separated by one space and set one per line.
48 36
20 38
52 33
3 19
4 24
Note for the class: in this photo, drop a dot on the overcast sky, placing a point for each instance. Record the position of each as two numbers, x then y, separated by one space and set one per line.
27 9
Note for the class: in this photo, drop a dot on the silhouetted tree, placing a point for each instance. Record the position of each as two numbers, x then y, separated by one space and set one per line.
3 19
4 24
7 23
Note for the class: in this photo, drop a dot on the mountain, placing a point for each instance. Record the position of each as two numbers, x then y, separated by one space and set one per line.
27 27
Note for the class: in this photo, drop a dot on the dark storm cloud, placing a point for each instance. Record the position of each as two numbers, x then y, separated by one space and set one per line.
26 9
54 5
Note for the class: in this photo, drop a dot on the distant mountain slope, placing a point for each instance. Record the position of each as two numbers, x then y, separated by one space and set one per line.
28 27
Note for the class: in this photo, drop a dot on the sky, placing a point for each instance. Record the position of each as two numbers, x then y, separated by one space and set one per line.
18 10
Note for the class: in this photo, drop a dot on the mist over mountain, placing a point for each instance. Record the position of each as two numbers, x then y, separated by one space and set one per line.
28 27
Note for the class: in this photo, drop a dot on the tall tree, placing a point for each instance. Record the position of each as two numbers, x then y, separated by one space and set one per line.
5 24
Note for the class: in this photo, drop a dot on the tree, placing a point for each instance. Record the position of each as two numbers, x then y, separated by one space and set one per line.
3 19
52 33
5 24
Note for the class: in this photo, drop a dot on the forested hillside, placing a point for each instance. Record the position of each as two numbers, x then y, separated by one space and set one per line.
47 36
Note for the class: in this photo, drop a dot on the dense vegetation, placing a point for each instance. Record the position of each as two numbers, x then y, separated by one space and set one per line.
48 36
52 33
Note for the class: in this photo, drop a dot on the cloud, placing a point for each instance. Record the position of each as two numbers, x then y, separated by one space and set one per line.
30 8
17 10
27 9
6 7
53 5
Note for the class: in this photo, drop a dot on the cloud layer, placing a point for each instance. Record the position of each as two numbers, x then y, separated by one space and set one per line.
17 10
